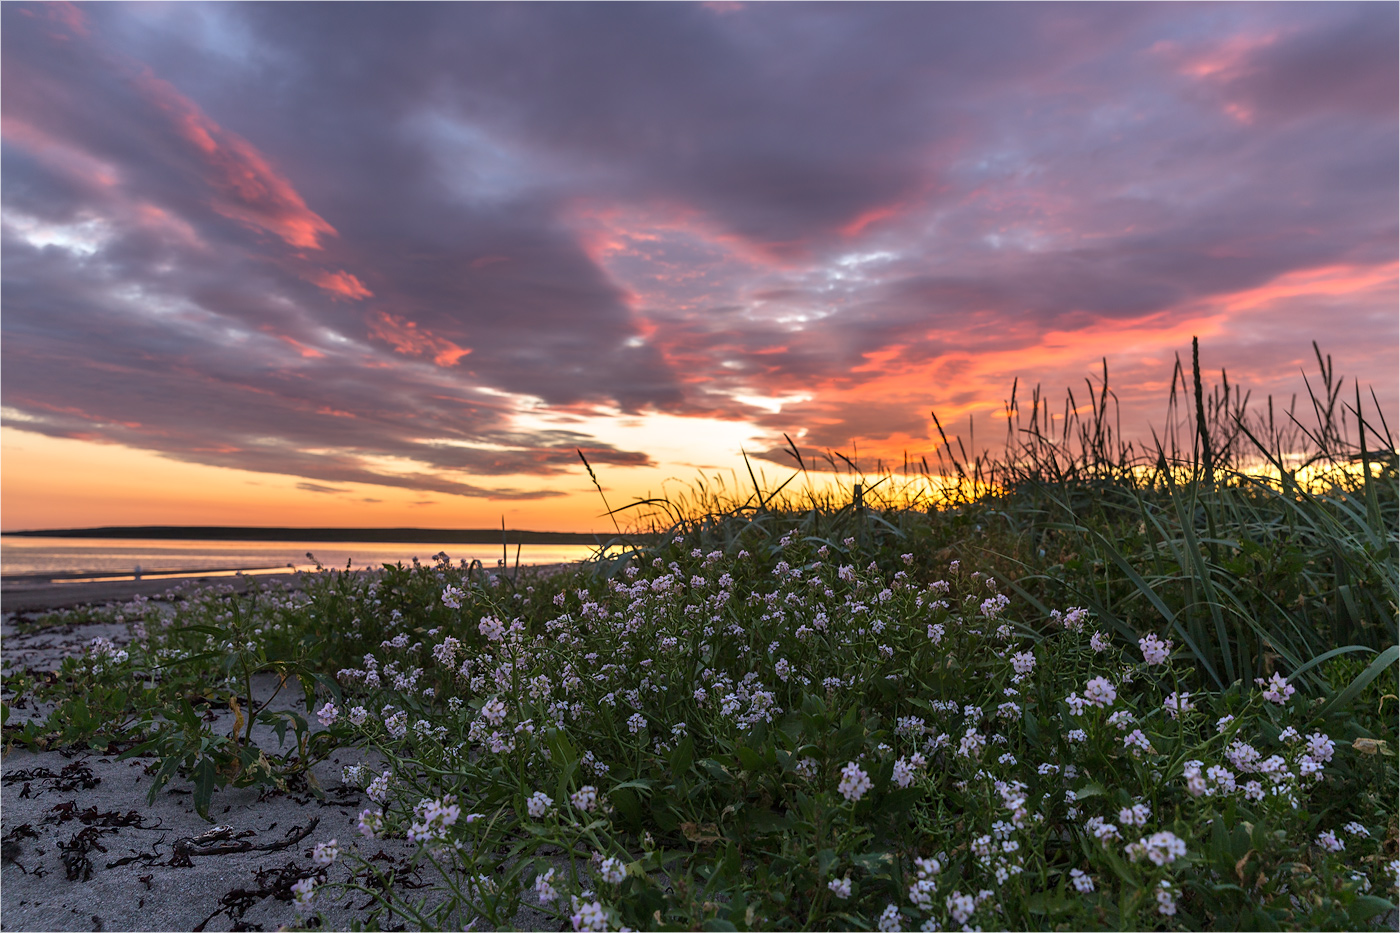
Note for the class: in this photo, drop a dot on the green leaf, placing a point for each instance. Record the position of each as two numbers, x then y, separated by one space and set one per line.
683 756
876 863
566 774
166 772
1031 725
749 758
628 805
561 750
205 777
1091 789
1367 906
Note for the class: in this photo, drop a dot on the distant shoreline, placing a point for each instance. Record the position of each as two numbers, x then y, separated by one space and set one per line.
367 535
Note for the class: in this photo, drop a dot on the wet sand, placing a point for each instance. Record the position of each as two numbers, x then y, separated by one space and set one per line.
37 595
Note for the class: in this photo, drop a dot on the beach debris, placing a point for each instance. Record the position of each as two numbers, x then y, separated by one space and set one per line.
74 776
77 863
221 840
271 882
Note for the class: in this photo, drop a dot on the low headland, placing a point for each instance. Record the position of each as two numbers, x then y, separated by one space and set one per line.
274 533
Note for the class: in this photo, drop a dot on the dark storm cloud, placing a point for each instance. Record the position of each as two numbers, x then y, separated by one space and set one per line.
341 241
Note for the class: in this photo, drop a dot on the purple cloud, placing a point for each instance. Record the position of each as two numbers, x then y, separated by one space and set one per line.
354 243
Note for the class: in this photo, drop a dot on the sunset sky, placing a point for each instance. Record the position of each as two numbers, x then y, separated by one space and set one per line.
380 265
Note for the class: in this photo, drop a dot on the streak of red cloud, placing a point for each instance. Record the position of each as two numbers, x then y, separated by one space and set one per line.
247 188
310 353
342 285
482 262
873 216
408 338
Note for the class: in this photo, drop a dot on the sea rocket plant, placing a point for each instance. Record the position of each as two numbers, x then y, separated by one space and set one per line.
878 749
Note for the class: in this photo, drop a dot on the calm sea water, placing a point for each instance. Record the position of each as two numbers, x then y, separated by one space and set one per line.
121 556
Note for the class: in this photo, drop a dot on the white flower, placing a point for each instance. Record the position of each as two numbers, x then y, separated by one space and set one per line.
1083 883
904 773
433 818
371 823
494 711
325 853
927 867
328 714
1222 779
1154 650
539 805
585 798
972 743
841 887
397 724
1163 848
358 715
1356 829
1320 747
1276 689
854 782
1137 815
889 920
1136 741
304 892
545 889
1177 704
961 906
452 597
612 870
1329 841
1166 898
1023 662
589 916
636 723
1099 642
1122 719
378 789
1100 692
1103 832
921 893
492 628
